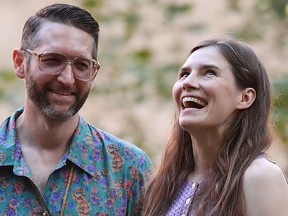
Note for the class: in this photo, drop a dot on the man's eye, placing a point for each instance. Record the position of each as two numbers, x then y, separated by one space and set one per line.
52 60
82 65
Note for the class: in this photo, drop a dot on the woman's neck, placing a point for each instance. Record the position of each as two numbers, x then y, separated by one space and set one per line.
205 152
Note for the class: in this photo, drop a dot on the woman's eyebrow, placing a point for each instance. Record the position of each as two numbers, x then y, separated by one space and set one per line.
184 69
201 67
209 66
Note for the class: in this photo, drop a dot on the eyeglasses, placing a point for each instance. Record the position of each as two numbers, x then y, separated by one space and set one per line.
54 63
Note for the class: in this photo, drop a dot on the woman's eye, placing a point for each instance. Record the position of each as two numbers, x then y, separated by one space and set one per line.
210 73
183 75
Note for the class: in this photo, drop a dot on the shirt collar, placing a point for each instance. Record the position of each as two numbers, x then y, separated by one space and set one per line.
8 139
85 147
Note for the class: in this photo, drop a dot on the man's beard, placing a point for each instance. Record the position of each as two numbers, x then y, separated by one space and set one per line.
37 95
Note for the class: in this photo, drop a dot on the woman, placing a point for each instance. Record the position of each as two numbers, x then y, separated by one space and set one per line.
215 161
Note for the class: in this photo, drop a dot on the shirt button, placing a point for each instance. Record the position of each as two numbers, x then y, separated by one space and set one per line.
188 201
193 185
44 213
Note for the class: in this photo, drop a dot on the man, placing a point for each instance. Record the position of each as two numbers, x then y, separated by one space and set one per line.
52 162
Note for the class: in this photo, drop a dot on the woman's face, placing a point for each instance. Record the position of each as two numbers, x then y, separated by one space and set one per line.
205 93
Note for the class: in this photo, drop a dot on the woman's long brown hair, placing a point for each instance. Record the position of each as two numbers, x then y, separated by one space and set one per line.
247 137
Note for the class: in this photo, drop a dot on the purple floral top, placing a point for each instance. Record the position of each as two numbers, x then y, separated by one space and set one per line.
108 178
181 205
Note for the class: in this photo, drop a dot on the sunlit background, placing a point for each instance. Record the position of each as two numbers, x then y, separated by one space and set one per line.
142 45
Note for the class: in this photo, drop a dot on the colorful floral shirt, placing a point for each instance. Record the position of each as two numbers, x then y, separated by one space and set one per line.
108 176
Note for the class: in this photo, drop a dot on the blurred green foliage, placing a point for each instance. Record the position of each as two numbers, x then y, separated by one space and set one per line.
134 73
280 87
131 20
147 77
279 6
6 78
251 31
92 3
174 10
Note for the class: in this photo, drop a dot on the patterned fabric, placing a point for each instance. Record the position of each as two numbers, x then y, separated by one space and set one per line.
181 205
108 179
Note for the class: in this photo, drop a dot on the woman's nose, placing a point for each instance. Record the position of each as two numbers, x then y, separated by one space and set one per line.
190 82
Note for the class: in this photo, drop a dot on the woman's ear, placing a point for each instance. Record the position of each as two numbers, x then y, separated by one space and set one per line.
248 98
18 63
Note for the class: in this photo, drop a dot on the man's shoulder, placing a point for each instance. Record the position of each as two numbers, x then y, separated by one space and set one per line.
7 140
10 122
113 143
7 129
119 153
109 140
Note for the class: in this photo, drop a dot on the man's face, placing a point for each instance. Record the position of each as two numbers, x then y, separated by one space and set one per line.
60 96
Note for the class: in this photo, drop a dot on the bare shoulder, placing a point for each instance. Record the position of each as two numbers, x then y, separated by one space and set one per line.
264 170
265 189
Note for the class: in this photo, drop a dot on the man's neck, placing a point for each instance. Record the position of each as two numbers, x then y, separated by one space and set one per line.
43 133
43 143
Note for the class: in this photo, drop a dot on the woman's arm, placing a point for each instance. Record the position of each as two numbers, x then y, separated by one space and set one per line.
265 189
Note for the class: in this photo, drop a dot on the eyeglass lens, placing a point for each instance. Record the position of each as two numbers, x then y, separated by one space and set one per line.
55 62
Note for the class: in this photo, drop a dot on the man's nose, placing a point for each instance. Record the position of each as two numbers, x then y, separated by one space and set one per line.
67 75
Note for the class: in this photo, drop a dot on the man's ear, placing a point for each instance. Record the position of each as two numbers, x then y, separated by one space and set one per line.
18 63
248 98
96 70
